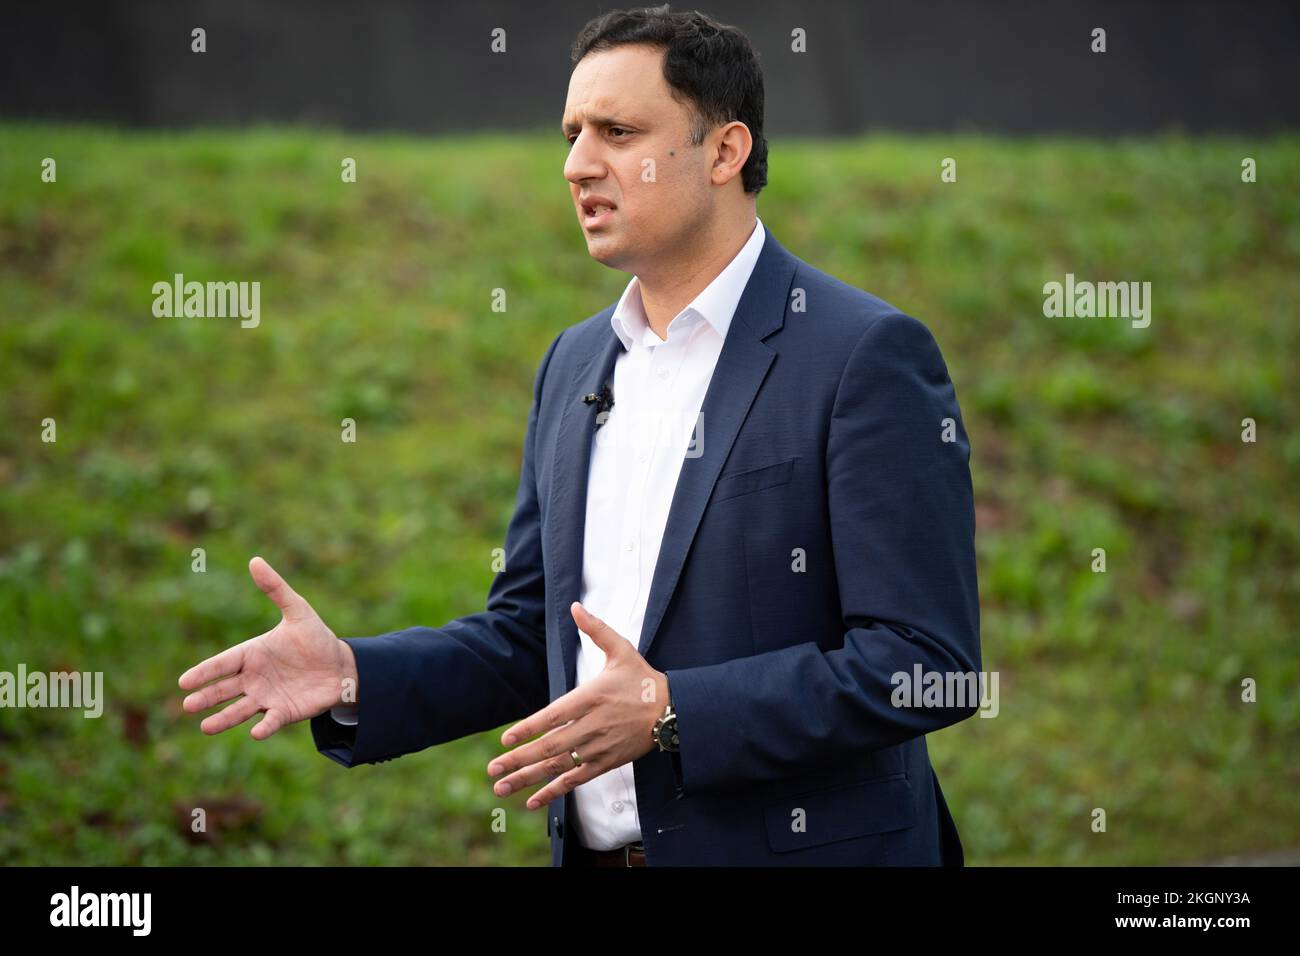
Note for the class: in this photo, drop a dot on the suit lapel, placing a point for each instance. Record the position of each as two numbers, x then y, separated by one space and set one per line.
742 366
567 514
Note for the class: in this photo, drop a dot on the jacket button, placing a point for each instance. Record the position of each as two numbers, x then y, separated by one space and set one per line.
559 827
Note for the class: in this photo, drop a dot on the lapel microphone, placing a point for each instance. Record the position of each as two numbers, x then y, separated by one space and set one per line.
603 400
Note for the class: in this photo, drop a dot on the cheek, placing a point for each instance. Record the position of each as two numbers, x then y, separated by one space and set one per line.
676 186
657 171
685 178
674 170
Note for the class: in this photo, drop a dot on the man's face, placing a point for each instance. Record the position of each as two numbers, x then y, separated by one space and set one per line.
619 114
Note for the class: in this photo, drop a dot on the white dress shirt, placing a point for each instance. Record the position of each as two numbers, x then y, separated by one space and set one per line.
659 387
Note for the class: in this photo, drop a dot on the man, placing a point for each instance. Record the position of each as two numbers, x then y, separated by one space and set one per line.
712 583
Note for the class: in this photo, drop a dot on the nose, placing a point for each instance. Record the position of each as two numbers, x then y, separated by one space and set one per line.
583 161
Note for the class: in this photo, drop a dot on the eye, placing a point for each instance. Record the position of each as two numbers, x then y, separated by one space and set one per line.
570 139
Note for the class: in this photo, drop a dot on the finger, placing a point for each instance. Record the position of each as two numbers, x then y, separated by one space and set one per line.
545 759
555 714
236 713
230 661
214 694
268 725
562 785
277 589
543 771
550 745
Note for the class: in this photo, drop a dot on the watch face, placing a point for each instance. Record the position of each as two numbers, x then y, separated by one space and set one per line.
668 733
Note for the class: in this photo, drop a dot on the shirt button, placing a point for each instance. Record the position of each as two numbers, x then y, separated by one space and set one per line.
617 806
662 373
629 546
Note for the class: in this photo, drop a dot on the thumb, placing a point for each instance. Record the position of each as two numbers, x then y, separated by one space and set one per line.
286 598
601 634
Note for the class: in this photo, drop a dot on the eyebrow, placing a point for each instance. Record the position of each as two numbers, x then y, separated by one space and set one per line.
567 128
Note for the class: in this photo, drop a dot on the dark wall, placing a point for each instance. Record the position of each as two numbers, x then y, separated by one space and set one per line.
422 66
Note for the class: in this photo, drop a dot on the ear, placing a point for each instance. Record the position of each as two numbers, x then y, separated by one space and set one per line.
734 146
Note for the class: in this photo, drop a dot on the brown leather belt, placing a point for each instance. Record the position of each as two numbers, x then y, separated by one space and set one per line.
631 854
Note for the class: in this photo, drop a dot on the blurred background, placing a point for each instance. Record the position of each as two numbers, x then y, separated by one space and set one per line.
1120 690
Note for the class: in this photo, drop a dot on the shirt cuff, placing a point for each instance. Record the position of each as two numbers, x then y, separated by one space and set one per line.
347 714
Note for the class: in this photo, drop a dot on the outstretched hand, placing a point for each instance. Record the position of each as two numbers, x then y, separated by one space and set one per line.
293 672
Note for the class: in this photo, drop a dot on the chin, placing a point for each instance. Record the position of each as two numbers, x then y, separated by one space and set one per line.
603 251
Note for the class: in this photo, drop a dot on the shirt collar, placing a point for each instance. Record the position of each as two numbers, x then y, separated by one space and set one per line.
716 302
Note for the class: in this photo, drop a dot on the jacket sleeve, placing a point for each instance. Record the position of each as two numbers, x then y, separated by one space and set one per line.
424 686
902 524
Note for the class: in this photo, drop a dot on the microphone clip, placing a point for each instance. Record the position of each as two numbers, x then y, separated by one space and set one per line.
603 400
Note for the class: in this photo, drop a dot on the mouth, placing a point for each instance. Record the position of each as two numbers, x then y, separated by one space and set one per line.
596 212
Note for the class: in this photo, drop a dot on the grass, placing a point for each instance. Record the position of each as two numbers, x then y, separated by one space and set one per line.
1119 690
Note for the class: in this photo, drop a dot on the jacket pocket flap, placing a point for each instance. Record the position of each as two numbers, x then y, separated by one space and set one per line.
743 482
840 813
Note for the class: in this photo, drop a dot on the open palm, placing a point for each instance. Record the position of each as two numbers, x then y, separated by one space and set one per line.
293 672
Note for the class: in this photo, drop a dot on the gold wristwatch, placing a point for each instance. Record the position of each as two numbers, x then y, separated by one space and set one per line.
664 732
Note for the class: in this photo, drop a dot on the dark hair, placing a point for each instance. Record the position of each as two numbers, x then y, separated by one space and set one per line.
710 66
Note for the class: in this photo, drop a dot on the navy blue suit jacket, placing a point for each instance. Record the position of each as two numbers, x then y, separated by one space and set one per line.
822 443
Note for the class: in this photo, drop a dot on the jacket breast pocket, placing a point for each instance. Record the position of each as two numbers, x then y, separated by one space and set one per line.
802 820
733 484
